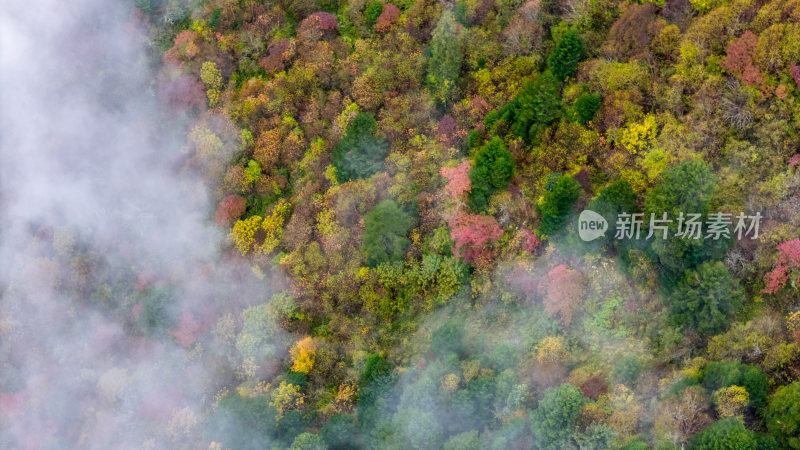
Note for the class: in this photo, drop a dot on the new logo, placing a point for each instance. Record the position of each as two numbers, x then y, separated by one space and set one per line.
591 225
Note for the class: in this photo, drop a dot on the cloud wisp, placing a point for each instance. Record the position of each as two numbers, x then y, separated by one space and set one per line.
110 268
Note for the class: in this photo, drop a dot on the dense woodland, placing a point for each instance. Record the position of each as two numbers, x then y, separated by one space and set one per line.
402 180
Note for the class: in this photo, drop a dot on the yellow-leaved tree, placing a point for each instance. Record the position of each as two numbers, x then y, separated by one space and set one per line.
303 353
211 76
551 350
286 397
261 235
731 401
639 137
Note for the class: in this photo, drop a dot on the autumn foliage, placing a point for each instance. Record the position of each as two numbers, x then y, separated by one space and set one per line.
276 56
788 262
229 210
530 242
472 234
458 183
795 71
187 330
388 16
739 59
594 386
303 354
563 291
322 20
183 94
400 185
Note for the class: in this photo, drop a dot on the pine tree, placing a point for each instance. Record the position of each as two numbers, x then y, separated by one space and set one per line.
556 204
563 60
491 171
386 227
360 153
536 107
445 62
554 419
706 298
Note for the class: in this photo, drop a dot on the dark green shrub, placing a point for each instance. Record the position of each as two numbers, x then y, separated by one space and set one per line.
371 13
553 420
783 415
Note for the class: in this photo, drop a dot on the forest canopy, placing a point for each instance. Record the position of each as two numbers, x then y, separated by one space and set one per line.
391 255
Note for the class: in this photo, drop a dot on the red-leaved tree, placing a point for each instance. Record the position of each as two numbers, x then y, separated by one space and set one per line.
186 331
594 386
795 74
182 94
563 291
184 48
788 262
324 20
530 242
794 161
472 235
388 16
458 183
229 209
738 59
276 55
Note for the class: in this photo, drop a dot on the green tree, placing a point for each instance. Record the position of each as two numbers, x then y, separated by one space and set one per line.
444 64
422 430
533 109
465 441
627 369
308 441
144 5
616 198
705 299
585 107
374 381
684 189
241 422
371 13
448 338
563 60
385 230
595 437
252 172
340 432
783 415
723 435
556 204
491 171
511 435
554 419
256 338
360 153
155 310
